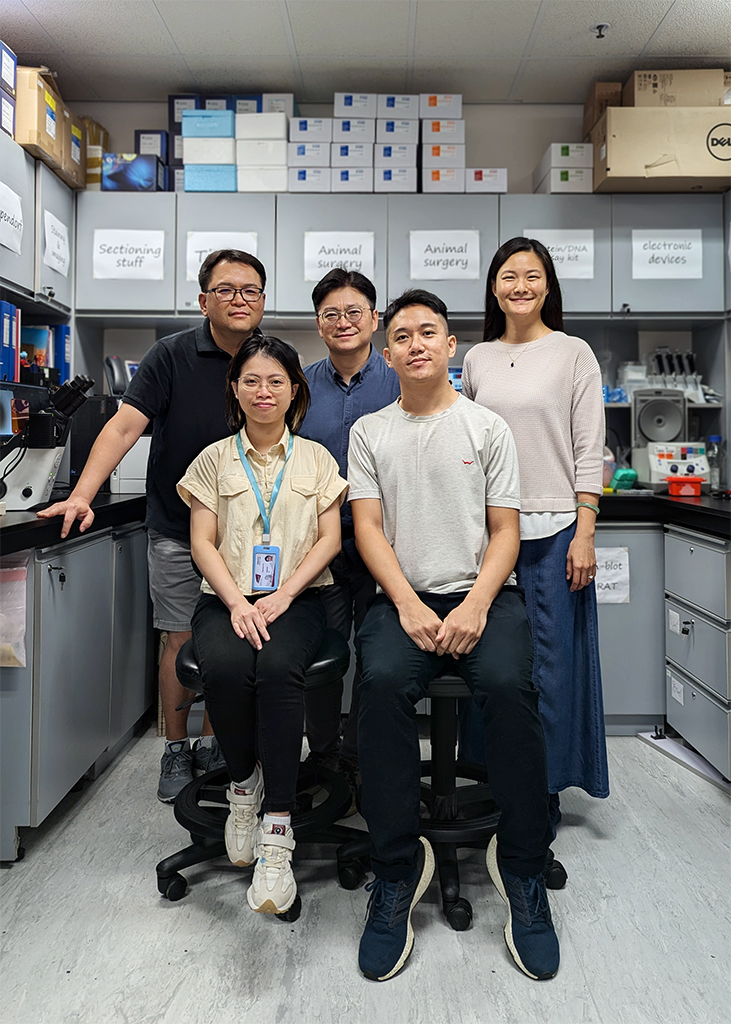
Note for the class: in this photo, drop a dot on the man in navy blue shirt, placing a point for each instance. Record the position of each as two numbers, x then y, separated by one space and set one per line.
352 381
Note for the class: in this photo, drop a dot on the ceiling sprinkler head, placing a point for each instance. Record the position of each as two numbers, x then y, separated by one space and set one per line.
601 29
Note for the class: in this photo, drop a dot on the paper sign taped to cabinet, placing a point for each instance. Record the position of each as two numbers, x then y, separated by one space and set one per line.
124 255
612 575
56 255
201 244
444 255
325 250
11 219
572 251
667 254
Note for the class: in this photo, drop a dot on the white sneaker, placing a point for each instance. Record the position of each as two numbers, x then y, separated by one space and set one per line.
273 887
242 823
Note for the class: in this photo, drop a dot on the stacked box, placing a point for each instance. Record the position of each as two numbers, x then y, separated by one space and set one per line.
7 113
355 105
351 179
486 179
440 105
395 154
308 179
73 167
397 106
394 179
176 179
8 79
311 129
601 95
209 150
690 88
261 152
354 129
94 168
219 103
443 179
308 154
443 155
246 103
39 115
177 104
402 131
152 142
565 167
353 141
279 103
131 172
442 143
96 134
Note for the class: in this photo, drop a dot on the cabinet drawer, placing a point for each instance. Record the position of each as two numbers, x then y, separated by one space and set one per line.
704 651
701 719
697 570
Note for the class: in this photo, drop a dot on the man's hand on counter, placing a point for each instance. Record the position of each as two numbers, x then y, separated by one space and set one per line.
71 510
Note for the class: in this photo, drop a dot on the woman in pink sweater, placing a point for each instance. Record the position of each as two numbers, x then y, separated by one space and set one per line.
547 386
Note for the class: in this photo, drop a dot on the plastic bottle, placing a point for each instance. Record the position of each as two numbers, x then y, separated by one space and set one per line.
713 454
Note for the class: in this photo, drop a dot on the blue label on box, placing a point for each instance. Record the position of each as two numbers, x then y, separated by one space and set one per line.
301 175
386 175
348 101
301 151
345 126
389 126
303 126
390 101
387 151
345 175
344 150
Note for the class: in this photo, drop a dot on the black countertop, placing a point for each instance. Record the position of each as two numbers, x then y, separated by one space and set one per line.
20 530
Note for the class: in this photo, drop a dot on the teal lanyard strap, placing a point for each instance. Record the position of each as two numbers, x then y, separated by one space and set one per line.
265 516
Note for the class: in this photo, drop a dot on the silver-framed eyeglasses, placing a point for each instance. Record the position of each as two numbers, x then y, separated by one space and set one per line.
353 314
274 384
225 293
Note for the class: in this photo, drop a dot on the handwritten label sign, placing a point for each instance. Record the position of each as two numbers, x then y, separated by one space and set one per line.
11 219
201 244
126 255
325 250
667 254
612 575
445 255
56 254
572 251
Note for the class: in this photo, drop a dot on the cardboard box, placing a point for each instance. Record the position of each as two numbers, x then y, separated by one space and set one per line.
440 105
395 155
311 129
261 126
563 155
354 129
394 179
278 103
405 130
308 154
208 124
398 105
7 113
247 103
8 69
262 179
96 134
727 88
152 142
351 179
210 178
449 179
351 154
261 152
439 155
486 179
94 168
73 169
601 95
308 179
130 172
218 103
209 151
566 179
642 149
355 104
443 130
39 115
692 88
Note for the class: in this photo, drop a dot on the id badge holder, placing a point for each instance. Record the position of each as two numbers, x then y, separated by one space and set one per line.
265 567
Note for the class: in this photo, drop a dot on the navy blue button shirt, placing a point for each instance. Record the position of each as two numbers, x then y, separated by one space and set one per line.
335 406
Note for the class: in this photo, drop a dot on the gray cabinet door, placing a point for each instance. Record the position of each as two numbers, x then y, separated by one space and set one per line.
632 635
73 651
727 246
573 216
198 212
132 635
129 211
57 200
17 171
298 214
683 215
407 213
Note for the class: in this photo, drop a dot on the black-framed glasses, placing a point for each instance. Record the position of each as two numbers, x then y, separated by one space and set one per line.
353 314
225 293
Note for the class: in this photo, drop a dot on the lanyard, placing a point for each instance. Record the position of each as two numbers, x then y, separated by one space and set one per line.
255 487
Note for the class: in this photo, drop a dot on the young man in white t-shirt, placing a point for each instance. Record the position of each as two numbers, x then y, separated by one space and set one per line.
435 497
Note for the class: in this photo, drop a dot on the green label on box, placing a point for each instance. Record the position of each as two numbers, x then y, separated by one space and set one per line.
564 175
565 150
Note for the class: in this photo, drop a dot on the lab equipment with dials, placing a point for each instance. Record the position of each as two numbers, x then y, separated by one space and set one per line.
659 448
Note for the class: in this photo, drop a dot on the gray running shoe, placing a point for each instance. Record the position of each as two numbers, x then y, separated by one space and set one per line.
207 759
176 771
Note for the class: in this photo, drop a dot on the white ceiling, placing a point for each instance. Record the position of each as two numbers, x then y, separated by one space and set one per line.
492 51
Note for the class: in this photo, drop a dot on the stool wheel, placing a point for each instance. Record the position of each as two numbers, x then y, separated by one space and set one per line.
351 875
459 915
555 875
294 911
172 888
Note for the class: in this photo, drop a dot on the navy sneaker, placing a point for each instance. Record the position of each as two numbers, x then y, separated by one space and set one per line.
388 936
529 933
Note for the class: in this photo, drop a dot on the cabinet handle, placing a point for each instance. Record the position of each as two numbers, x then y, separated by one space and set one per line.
687 623
61 573
691 549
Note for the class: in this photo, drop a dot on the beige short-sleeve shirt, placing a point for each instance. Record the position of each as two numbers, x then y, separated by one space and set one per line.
310 484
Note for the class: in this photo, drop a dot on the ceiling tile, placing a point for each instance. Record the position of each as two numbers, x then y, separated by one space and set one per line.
340 75
236 27
21 31
471 28
102 26
566 27
131 78
559 81
491 85
350 29
696 28
72 82
254 74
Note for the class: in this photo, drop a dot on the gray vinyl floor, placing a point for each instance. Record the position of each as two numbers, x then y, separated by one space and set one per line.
643 921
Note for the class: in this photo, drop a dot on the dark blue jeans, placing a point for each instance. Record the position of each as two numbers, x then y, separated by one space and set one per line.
255 699
395 674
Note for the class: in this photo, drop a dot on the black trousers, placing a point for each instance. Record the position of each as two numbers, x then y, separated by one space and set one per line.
395 674
255 699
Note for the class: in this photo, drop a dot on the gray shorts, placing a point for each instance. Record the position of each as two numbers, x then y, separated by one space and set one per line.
174 584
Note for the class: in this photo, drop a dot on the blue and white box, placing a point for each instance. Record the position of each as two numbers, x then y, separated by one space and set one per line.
354 129
355 104
308 154
351 154
352 179
131 172
210 178
247 103
176 179
397 105
8 69
394 179
224 102
176 105
397 130
308 179
208 124
7 340
311 129
7 113
395 155
152 142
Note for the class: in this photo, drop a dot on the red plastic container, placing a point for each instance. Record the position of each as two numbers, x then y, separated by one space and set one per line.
685 486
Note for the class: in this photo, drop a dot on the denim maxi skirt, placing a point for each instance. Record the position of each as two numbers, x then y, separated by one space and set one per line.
565 671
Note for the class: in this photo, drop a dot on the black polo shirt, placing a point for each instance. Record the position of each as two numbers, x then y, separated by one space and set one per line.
180 385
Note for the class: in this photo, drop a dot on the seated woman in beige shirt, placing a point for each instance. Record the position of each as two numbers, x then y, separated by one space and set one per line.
265 524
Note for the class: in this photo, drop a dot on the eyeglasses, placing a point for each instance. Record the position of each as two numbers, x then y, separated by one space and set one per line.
273 384
354 314
227 294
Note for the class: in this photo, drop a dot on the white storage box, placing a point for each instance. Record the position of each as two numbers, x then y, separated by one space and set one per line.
443 130
397 130
261 153
308 154
354 129
440 104
355 104
261 126
394 179
278 103
311 129
397 105
486 179
308 179
395 155
563 154
568 179
261 179
440 155
209 151
352 179
445 179
351 154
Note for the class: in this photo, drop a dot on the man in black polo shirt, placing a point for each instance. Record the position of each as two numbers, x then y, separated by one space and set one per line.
180 386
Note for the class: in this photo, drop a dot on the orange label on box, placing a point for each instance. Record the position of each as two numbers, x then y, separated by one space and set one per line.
432 101
436 126
436 150
435 175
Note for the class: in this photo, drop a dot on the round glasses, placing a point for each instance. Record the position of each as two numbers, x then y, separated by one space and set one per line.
353 314
273 384
227 294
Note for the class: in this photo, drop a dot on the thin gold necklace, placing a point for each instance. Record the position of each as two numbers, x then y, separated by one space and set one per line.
514 359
